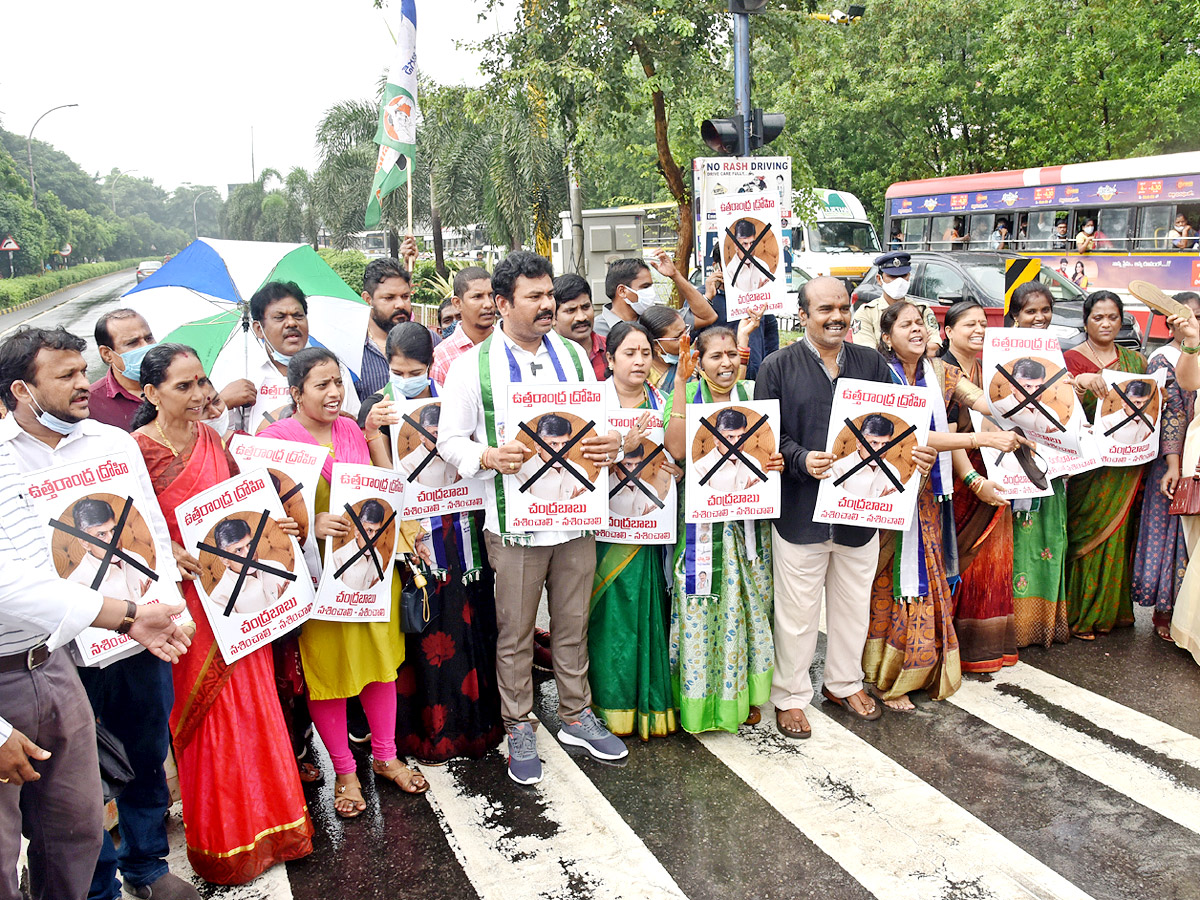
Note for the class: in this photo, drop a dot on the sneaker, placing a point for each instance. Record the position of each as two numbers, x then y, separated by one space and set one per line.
593 737
169 886
524 766
358 730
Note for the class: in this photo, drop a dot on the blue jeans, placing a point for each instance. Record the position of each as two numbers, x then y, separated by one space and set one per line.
132 698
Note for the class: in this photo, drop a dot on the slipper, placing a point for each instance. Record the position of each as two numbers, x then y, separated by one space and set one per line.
351 793
754 717
1164 632
844 703
309 773
415 784
1084 635
798 734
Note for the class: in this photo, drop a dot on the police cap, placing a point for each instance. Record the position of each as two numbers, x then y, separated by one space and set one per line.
895 263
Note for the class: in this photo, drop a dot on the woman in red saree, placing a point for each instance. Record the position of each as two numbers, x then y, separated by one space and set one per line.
243 808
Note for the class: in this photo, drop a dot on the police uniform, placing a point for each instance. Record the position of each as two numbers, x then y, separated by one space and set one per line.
865 324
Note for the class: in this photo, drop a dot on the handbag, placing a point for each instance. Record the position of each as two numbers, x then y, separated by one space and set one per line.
115 770
416 600
1186 499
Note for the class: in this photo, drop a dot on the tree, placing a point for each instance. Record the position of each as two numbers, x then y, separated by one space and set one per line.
56 172
302 208
90 235
208 206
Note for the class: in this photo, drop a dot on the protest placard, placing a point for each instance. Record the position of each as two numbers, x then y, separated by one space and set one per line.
1028 387
728 447
432 487
751 249
295 469
642 497
873 429
1005 469
97 524
356 580
557 488
272 402
721 176
254 585
1128 420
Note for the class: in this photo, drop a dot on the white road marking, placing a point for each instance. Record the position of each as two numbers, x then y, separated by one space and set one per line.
593 852
1139 780
895 834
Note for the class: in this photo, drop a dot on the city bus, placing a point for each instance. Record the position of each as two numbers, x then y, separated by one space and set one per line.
1132 202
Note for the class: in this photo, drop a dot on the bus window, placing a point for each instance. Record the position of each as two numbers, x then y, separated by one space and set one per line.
1153 225
981 229
948 233
1191 212
1040 230
1113 224
915 232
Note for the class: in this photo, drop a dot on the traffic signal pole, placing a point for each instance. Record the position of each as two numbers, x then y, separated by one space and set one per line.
741 77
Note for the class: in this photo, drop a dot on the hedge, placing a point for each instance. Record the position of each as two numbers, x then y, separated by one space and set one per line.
14 291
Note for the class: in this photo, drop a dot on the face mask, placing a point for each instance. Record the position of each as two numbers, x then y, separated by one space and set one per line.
133 362
1088 229
448 330
712 385
896 289
54 423
410 387
220 424
274 354
671 358
646 298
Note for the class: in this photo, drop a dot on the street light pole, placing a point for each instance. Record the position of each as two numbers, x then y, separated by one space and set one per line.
29 147
741 75
196 224
113 187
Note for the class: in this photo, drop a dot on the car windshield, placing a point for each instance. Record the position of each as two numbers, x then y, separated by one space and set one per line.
843 237
150 265
990 278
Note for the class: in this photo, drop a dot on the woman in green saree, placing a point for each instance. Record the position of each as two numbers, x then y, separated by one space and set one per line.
1102 533
630 670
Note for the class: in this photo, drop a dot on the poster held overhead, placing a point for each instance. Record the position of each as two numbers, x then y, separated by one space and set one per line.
751 247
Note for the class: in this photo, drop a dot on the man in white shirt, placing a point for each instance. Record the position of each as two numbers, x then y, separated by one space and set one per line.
556 483
748 276
362 574
731 474
630 501
1030 375
259 589
121 579
43 382
476 439
1128 430
868 480
279 314
436 472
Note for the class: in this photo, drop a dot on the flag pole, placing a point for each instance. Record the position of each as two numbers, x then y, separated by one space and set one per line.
410 190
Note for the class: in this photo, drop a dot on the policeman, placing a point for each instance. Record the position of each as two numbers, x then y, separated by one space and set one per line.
894 268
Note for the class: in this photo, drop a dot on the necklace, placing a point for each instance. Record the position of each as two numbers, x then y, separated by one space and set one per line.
162 434
1096 355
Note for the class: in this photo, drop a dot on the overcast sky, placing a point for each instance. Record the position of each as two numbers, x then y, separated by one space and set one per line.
171 89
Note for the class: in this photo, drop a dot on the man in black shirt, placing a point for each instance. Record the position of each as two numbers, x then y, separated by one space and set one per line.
811 558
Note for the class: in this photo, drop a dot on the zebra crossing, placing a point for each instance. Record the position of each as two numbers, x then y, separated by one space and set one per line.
1024 784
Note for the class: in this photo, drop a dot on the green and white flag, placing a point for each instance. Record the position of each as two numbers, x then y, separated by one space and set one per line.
397 131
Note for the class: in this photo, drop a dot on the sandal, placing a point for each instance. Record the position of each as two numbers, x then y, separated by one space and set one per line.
844 703
408 780
754 717
1164 632
351 793
309 774
1084 635
793 731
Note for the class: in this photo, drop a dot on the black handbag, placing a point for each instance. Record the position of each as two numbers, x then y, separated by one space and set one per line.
416 600
115 770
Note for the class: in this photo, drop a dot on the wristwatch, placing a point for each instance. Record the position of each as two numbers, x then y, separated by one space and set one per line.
130 614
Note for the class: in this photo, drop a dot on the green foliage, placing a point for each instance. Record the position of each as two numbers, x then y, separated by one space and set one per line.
431 287
55 171
30 287
349 264
90 235
29 229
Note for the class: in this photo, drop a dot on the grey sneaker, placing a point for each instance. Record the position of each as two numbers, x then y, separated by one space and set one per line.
169 886
524 766
593 737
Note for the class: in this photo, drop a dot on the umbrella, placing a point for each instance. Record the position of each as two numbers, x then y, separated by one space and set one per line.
202 298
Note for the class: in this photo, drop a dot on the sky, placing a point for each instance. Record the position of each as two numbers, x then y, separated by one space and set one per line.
171 89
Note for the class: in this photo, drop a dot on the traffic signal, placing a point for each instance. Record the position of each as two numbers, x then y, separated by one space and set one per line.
725 136
747 7
764 128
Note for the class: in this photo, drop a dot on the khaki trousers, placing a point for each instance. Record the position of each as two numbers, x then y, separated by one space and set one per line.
62 813
802 572
566 571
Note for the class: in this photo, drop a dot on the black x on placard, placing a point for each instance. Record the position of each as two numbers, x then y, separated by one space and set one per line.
247 562
369 546
432 453
1139 412
734 449
1028 399
876 455
110 547
747 256
559 456
631 477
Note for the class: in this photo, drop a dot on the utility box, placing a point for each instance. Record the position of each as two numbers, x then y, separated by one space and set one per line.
608 234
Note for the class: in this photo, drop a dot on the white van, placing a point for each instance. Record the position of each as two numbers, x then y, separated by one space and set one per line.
841 242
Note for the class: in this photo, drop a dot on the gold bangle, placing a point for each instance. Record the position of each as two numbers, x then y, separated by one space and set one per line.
374 436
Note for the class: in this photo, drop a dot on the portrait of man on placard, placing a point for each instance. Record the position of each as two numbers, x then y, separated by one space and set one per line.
875 464
748 259
1048 412
550 478
261 587
1129 419
732 470
127 576
417 449
629 500
361 568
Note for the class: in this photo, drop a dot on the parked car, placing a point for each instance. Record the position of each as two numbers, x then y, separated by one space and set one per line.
943 278
146 269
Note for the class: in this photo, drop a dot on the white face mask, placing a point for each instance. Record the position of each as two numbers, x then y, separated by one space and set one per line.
1088 229
646 297
896 289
